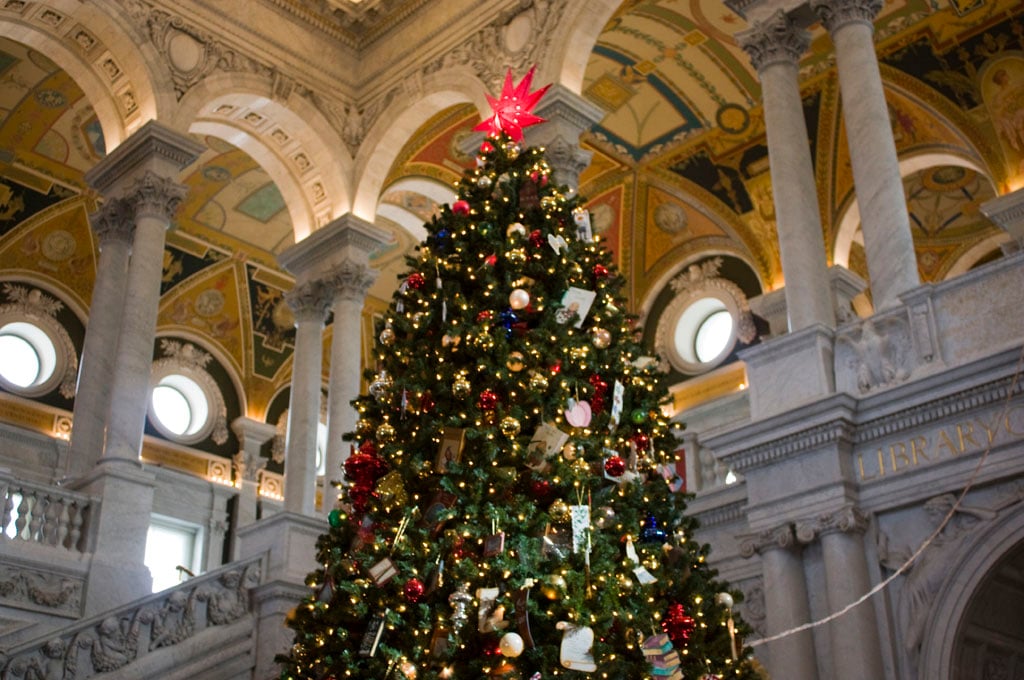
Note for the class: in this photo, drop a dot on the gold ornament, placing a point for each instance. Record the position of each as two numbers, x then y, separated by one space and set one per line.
581 467
515 229
484 341
569 451
385 432
579 352
516 256
509 426
387 335
559 511
364 426
539 382
549 202
515 361
600 337
391 490
461 387
552 586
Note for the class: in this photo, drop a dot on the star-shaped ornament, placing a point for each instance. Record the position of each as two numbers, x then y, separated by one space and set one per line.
513 110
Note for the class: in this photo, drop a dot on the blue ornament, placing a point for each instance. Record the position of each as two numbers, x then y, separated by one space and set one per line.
507 319
651 531
442 240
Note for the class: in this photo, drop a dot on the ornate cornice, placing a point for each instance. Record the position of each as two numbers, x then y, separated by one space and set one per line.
767 453
722 514
834 14
776 40
992 392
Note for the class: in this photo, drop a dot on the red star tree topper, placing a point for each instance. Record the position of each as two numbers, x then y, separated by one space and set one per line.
513 110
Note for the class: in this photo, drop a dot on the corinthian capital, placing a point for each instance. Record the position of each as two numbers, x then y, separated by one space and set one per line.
351 281
777 39
847 519
155 196
779 538
114 222
834 14
309 301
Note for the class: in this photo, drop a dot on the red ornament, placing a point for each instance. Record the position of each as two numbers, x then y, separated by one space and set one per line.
427 402
460 207
486 147
641 440
677 624
556 367
368 448
415 280
513 110
536 238
484 315
487 400
491 260
540 488
600 271
614 466
413 590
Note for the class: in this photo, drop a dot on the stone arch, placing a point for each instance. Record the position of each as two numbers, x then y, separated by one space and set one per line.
425 186
849 217
399 121
291 140
581 25
989 546
975 253
101 57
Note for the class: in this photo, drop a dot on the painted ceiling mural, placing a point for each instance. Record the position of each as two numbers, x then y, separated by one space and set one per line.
679 169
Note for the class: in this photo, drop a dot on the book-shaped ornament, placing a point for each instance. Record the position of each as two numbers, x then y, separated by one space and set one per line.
383 571
547 441
577 642
575 304
436 513
453 439
371 638
662 656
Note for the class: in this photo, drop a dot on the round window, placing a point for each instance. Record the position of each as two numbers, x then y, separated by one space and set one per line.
180 406
28 357
713 335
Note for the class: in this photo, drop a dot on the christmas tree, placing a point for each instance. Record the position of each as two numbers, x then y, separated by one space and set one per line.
511 506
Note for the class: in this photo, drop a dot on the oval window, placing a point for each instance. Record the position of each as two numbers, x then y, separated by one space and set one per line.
180 405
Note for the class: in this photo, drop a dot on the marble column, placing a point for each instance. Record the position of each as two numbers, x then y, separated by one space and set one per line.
786 603
141 172
775 47
888 244
114 227
252 435
568 115
335 260
349 283
856 648
309 302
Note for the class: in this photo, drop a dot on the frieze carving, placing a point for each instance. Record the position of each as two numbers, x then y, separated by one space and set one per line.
767 453
773 41
112 641
834 14
753 607
926 575
874 355
58 592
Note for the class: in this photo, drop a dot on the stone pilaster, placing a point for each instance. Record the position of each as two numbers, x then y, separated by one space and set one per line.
786 603
247 463
114 226
892 264
568 115
775 47
856 649
309 302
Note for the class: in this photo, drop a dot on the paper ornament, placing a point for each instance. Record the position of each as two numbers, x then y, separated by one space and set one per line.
577 641
513 110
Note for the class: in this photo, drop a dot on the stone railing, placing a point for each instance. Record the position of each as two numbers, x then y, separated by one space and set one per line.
113 640
45 515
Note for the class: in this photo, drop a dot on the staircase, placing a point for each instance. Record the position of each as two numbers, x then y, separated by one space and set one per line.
203 629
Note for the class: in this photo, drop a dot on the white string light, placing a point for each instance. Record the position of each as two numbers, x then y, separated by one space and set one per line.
928 541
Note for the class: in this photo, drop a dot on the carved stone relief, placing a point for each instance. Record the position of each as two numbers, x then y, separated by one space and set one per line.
874 355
